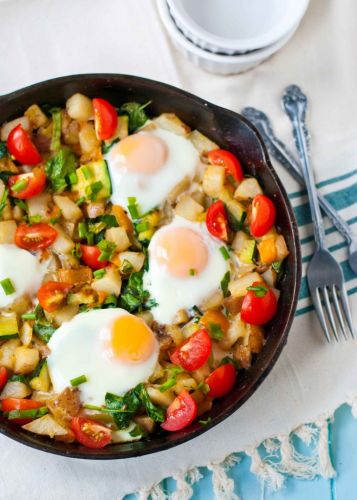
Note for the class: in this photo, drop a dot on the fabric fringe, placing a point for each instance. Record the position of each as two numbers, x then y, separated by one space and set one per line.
272 462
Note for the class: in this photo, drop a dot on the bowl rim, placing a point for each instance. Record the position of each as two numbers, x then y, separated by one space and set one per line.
246 58
293 15
80 452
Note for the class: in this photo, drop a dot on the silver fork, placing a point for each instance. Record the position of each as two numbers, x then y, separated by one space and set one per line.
324 274
279 150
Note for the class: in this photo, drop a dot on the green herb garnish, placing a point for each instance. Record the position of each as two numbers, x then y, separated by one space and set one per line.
224 252
99 273
136 114
172 379
7 286
107 249
59 168
78 380
215 331
225 283
259 290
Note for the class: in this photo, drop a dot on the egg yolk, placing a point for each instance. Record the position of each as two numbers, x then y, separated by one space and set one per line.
142 152
181 251
131 340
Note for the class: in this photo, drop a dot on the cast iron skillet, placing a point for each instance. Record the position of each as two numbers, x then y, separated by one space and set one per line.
229 130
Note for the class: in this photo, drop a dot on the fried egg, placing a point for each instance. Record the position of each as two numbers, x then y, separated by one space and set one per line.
147 165
185 267
22 269
114 349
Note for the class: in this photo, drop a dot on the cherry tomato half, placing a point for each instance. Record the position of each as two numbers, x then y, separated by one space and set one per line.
226 159
3 376
90 255
35 237
105 119
216 220
221 380
90 433
21 147
259 305
194 352
181 412
52 295
34 183
10 404
263 215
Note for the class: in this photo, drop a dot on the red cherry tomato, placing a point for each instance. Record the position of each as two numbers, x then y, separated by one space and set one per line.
90 433
52 295
221 380
21 147
105 119
90 255
35 237
3 376
226 159
260 305
263 215
181 412
216 220
34 183
194 352
10 404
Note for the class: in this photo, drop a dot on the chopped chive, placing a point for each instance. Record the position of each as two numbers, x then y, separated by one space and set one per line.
259 290
93 189
78 380
216 331
142 226
132 200
30 413
80 201
99 273
107 250
19 185
82 230
224 252
73 178
28 316
86 172
133 207
34 219
225 283
7 286
205 422
192 272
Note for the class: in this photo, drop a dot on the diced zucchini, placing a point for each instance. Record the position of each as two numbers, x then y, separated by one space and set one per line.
8 326
247 189
236 214
41 379
247 253
91 174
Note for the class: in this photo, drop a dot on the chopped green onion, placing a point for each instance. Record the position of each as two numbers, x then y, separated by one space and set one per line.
132 200
84 233
21 204
224 253
30 413
225 283
133 207
78 380
93 189
192 272
111 300
216 331
34 219
142 226
80 201
171 381
19 185
205 422
73 178
86 172
107 250
54 220
28 316
205 388
7 286
99 273
3 200
197 310
259 290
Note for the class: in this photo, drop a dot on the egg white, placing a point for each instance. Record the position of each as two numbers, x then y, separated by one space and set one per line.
24 271
150 190
77 349
172 293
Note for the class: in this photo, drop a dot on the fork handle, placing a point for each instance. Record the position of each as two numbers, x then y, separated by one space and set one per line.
295 105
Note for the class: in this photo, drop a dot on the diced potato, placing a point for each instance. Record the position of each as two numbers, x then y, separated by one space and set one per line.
136 259
86 295
188 208
122 218
239 241
7 356
270 277
95 209
119 237
189 329
247 189
160 398
15 389
7 127
88 139
243 355
215 300
238 287
26 334
184 381
18 213
171 122
42 396
177 190
124 436
75 276
201 142
180 317
146 316
7 214
7 165
256 338
237 329
26 359
281 248
69 209
110 283
175 333
80 107
69 129
65 405
65 313
213 180
225 195
39 205
36 116
202 373
204 407
7 231
233 304
62 244
21 305
145 423
46 426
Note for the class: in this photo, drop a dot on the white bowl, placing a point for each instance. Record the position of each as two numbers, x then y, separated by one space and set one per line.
236 26
216 63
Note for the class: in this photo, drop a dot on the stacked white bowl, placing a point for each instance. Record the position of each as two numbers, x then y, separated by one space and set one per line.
230 36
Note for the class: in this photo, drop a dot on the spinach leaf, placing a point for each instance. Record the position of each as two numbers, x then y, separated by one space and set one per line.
134 296
18 378
126 407
43 331
59 167
155 412
225 283
3 150
136 114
